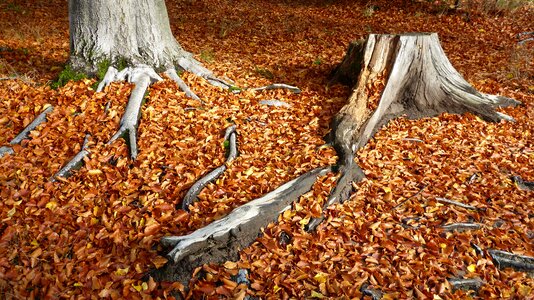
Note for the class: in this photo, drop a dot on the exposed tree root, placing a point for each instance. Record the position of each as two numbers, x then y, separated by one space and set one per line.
26 131
197 187
182 85
515 261
460 227
275 103
466 284
522 184
276 86
456 203
373 293
222 239
193 66
75 163
142 77
415 79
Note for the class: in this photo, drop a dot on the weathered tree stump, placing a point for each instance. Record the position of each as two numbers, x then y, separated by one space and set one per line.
397 75
394 75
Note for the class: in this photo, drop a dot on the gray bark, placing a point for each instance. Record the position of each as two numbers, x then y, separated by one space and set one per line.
397 75
131 31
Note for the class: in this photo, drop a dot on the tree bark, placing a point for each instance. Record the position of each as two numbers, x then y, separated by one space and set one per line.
397 75
127 32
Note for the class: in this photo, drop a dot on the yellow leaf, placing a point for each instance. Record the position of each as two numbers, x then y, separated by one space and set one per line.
304 221
144 285
122 272
288 214
77 284
442 245
94 172
472 268
387 189
249 171
11 212
320 277
276 288
137 287
230 265
51 205
315 294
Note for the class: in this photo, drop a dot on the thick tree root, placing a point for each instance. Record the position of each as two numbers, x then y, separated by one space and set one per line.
349 174
182 85
515 261
41 118
142 77
197 187
193 66
222 239
75 163
467 284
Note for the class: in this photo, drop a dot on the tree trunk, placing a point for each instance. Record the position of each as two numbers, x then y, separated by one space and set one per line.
394 75
120 33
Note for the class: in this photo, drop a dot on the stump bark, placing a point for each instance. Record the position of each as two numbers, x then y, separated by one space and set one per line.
393 75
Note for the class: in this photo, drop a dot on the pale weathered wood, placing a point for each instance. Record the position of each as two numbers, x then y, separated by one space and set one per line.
397 75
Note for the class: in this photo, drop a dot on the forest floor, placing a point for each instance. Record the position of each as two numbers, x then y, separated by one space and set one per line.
96 234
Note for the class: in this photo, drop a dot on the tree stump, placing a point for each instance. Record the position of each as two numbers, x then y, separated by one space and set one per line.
397 75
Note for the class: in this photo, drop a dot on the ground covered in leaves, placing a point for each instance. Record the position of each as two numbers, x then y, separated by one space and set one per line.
96 234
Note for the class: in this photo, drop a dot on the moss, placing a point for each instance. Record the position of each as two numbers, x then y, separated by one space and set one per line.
67 75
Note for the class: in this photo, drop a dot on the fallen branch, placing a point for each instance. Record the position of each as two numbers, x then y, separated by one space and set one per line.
41 118
75 163
452 202
517 262
197 187
221 240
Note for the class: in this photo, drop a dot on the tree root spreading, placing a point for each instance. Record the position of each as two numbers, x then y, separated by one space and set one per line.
193 192
456 203
522 184
517 262
41 118
461 227
465 284
222 239
276 86
75 163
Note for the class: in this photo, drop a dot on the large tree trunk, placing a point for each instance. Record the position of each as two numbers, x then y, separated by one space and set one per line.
131 32
394 75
